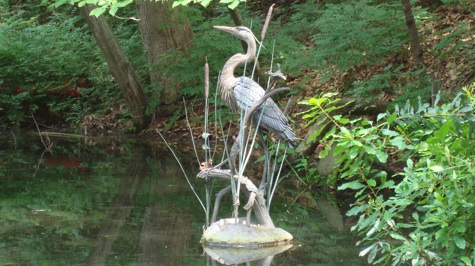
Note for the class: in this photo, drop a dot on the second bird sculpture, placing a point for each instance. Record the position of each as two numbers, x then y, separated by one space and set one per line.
241 93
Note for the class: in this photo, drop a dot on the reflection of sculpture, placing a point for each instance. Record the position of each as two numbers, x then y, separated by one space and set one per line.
262 256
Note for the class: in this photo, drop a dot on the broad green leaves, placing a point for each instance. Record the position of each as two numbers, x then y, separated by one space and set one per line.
433 147
112 6
230 3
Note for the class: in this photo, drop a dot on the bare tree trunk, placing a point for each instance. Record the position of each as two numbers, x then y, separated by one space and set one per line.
416 48
119 66
162 29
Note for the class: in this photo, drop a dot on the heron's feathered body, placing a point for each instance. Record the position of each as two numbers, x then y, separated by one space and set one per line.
241 93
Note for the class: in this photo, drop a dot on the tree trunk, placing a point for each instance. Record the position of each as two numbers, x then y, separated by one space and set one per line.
162 29
416 48
119 66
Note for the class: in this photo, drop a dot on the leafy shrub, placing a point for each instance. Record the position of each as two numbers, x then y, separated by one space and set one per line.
42 58
423 214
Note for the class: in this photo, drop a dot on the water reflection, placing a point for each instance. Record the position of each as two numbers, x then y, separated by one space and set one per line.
116 201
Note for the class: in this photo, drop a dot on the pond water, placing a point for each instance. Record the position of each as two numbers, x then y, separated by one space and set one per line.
123 201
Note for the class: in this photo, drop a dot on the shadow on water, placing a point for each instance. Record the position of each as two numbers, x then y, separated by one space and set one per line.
116 201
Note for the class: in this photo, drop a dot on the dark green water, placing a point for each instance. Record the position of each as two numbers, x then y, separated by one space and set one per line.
118 201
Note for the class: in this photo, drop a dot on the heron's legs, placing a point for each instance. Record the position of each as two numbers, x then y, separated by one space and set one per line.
232 165
217 201
264 181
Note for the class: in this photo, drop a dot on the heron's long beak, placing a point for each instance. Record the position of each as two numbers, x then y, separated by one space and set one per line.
230 30
234 31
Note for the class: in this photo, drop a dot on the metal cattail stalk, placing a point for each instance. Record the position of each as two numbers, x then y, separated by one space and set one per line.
206 79
263 34
205 133
266 23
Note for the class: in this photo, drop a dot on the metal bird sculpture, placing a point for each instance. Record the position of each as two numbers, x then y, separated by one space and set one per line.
241 93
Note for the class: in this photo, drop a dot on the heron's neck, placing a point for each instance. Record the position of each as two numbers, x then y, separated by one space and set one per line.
228 80
239 60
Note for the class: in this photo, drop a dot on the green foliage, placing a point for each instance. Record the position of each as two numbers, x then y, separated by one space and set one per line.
230 3
354 34
44 56
422 214
112 6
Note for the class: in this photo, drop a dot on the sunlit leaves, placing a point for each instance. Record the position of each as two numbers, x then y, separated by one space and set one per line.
460 241
230 3
437 168
114 5
355 185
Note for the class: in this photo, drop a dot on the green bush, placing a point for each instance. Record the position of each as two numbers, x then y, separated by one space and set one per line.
424 213
43 57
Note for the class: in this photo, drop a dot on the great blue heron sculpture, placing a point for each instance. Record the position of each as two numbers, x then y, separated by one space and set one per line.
241 93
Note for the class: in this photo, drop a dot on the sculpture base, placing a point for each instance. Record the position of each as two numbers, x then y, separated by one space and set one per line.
227 233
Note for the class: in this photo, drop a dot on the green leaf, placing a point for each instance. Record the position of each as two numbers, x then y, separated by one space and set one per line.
353 153
113 10
346 133
415 216
388 132
397 236
460 227
205 3
343 120
124 3
391 118
355 185
382 156
438 196
180 3
371 182
366 250
465 109
459 241
381 116
325 151
369 150
437 168
372 254
399 142
59 3
315 101
356 210
97 11
466 260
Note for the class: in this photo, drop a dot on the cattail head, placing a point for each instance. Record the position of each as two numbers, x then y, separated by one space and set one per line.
266 23
206 79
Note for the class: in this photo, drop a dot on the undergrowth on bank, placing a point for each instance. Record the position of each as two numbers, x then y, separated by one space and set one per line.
423 212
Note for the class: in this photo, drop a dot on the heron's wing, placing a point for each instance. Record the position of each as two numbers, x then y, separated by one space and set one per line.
247 92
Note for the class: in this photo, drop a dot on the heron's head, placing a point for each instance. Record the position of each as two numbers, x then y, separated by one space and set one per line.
239 32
